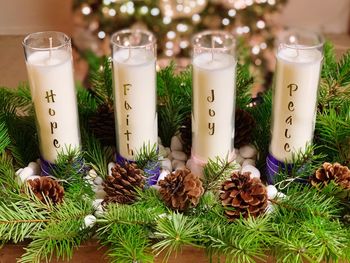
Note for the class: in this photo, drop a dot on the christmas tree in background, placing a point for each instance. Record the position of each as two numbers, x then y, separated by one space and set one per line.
175 21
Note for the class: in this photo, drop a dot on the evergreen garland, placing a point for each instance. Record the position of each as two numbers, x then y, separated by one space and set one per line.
306 225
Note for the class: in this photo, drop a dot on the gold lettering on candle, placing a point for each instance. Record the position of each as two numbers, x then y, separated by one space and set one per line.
287 147
53 126
286 134
292 88
127 120
127 133
50 96
211 113
126 88
291 106
130 151
211 126
52 112
127 106
289 120
211 97
56 144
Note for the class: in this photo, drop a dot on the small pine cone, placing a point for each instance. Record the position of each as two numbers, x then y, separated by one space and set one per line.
186 135
243 196
332 172
181 189
244 126
47 188
102 125
120 187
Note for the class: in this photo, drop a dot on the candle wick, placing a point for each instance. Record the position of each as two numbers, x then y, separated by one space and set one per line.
50 50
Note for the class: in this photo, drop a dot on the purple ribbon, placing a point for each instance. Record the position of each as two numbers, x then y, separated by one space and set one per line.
152 169
47 167
274 166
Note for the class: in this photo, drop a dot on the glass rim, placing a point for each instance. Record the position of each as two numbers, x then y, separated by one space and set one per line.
212 32
124 31
281 44
67 41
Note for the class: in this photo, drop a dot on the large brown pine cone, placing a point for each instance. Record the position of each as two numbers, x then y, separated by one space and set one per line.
186 135
244 126
336 172
181 189
102 125
120 187
46 188
243 196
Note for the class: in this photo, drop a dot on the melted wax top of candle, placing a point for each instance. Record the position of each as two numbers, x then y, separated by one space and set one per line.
214 61
300 55
43 58
133 57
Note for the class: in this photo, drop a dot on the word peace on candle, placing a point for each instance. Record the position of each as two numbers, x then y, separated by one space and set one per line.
50 98
127 107
289 120
211 125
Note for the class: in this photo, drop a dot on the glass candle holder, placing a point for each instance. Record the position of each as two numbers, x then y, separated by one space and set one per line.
213 106
299 60
48 58
134 73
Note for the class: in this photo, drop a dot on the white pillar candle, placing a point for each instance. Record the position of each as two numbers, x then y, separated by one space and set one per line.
50 74
294 103
135 99
213 104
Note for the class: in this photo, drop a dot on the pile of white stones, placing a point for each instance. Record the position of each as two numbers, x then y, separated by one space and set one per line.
30 172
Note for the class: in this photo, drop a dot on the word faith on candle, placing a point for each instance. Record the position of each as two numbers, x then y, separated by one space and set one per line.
50 97
127 107
211 125
289 120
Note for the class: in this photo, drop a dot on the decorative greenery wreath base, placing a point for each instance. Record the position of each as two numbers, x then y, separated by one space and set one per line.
310 224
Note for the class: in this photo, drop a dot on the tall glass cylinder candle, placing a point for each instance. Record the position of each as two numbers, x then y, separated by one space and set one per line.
50 71
214 67
134 73
299 59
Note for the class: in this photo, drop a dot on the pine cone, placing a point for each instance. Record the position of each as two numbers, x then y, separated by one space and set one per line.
332 172
181 189
120 187
244 126
102 125
243 196
47 188
186 135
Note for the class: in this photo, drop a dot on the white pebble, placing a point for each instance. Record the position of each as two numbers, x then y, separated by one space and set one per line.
35 167
99 213
32 177
89 221
97 203
162 151
254 172
110 166
177 164
166 164
194 167
269 208
248 162
159 141
18 172
239 159
98 180
163 174
248 151
100 194
281 195
26 172
178 155
92 173
176 144
271 191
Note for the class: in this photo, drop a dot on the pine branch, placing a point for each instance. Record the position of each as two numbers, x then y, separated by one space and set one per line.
7 175
216 171
102 84
175 231
4 137
244 83
147 155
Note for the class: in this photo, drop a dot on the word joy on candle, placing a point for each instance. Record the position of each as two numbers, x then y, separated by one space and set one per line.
127 107
50 97
289 121
211 125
